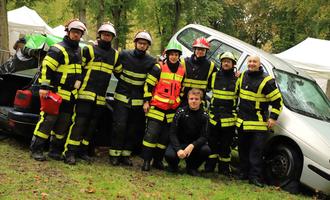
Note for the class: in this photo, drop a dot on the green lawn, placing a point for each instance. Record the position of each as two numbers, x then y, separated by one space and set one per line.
23 178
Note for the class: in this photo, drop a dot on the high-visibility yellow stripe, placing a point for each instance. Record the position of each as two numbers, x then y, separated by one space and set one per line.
210 70
49 64
154 116
131 81
65 53
213 122
224 159
85 142
66 95
213 156
260 118
86 78
87 95
121 97
171 76
152 78
261 87
224 97
161 146
137 102
274 110
100 100
51 60
126 153
113 152
36 132
170 117
135 75
259 128
148 144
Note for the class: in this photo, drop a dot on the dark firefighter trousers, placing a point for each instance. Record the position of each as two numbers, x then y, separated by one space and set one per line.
128 129
55 125
250 149
194 161
220 141
85 120
155 140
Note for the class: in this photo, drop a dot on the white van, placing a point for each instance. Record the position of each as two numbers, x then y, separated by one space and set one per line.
299 147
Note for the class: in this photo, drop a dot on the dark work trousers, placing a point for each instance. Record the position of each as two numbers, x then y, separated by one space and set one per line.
55 125
194 161
85 120
155 140
250 149
220 140
128 129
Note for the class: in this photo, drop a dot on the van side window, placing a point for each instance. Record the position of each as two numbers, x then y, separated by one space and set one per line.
187 37
244 67
217 48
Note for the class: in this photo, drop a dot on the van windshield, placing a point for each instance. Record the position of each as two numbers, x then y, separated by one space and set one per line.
303 95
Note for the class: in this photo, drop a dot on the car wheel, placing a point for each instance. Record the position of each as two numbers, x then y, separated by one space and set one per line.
283 167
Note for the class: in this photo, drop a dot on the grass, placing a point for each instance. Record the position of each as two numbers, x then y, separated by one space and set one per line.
23 178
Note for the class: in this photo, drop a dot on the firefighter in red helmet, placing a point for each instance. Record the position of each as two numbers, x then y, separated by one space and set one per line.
198 68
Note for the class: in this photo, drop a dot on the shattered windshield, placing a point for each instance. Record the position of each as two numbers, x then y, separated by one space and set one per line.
303 95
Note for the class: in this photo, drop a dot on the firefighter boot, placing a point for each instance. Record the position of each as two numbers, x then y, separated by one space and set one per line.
158 159
114 160
146 165
224 168
69 157
125 160
210 165
55 149
37 148
147 156
83 153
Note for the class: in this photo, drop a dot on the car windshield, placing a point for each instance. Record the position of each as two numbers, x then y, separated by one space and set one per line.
303 95
187 37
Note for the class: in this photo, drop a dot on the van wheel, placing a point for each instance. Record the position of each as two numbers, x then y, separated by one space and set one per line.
283 168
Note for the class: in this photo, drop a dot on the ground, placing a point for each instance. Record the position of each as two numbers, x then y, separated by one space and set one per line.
23 178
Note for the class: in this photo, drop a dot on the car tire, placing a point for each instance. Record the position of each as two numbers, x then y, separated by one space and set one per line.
283 167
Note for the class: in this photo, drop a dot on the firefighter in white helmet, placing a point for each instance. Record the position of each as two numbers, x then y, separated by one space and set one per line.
129 120
99 62
60 73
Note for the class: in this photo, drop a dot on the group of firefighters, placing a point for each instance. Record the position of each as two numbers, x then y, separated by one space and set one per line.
160 105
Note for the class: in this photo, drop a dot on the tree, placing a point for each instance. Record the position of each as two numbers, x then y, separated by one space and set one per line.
4 49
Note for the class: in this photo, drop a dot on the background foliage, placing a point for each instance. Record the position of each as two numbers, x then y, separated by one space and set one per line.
274 25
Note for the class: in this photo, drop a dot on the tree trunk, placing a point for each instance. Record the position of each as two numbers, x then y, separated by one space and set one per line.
100 14
4 38
177 16
116 12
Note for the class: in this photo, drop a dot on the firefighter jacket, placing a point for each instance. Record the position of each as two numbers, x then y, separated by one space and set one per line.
189 127
224 87
198 73
61 68
99 61
257 91
131 81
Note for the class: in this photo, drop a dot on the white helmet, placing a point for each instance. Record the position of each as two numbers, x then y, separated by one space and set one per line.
107 27
75 24
143 35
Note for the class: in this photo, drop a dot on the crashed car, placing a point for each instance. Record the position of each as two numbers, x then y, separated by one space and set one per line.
22 76
298 149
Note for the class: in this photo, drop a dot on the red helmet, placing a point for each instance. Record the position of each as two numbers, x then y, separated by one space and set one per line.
201 43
